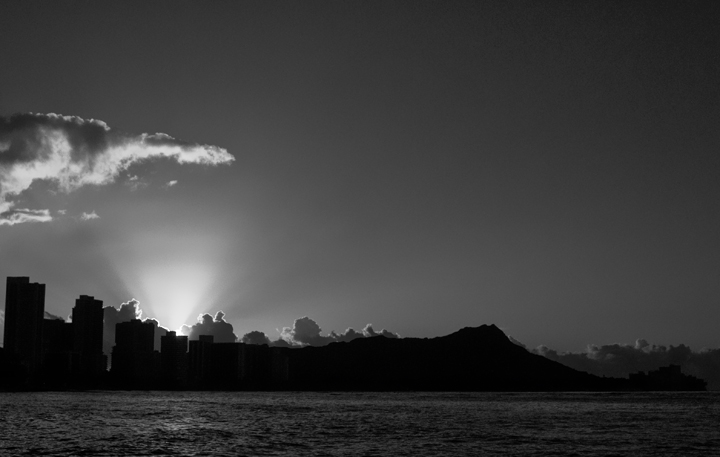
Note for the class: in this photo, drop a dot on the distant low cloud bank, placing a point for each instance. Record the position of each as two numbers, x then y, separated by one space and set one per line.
72 152
304 332
619 360
307 332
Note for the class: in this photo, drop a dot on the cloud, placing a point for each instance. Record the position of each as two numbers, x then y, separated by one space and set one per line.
134 183
52 317
516 342
368 332
89 216
19 216
255 337
306 332
171 183
281 343
127 312
218 327
619 360
72 152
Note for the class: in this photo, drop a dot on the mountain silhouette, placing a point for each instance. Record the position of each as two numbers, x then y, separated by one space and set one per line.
471 359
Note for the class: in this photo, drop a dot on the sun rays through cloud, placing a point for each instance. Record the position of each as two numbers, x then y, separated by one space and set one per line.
175 293
174 275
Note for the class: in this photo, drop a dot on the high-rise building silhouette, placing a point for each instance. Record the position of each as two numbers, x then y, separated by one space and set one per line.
199 358
226 365
87 321
24 312
133 357
57 354
174 360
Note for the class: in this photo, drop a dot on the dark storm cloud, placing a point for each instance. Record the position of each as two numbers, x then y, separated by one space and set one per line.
619 360
72 152
127 312
306 332
218 327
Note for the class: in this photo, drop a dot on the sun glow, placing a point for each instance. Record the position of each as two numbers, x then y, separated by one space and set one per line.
172 290
173 293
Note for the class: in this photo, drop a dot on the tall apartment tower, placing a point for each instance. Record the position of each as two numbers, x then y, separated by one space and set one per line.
174 360
24 312
133 357
87 321
199 361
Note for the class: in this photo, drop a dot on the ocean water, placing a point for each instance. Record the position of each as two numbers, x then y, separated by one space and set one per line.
349 424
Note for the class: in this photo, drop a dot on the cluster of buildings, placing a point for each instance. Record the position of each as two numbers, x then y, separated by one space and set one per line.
36 348
42 353
669 378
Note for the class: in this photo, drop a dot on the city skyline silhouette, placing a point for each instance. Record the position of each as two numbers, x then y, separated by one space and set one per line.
50 354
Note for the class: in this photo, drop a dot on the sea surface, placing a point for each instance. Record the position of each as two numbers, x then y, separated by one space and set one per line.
349 424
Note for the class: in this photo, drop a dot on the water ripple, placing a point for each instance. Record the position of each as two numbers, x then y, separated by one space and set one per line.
335 424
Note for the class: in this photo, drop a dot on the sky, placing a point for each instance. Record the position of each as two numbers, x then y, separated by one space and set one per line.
547 167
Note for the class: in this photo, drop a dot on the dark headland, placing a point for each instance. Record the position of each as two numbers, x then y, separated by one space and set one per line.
472 359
